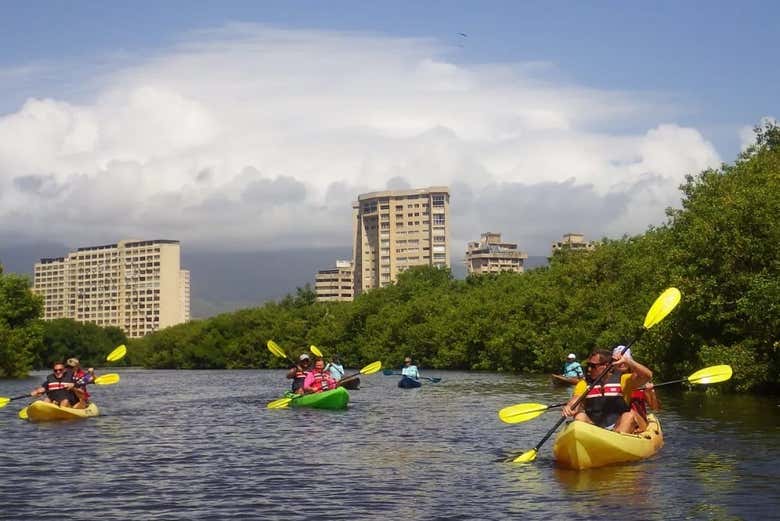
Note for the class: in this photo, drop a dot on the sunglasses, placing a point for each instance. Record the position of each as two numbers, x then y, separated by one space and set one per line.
62 369
591 366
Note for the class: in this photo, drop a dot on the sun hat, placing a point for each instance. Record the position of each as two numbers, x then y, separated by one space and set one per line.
572 356
619 348
72 362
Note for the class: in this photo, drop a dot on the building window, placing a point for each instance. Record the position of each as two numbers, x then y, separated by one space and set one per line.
438 219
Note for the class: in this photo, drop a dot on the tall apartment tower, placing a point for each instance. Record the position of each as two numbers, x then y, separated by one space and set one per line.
335 284
397 229
490 255
137 286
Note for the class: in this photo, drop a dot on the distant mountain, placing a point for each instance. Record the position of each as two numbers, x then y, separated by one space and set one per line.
224 281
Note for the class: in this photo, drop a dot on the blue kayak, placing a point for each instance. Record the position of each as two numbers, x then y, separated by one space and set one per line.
408 383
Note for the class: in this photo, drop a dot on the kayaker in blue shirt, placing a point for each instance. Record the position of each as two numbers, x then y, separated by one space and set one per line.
572 368
409 370
335 368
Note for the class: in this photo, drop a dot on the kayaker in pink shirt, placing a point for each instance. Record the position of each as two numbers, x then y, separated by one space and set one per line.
319 379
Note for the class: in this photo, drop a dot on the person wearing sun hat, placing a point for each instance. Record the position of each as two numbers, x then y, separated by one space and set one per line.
81 378
572 368
298 373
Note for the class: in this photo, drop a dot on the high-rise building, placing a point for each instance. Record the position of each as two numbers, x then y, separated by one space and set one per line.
573 242
397 229
135 285
335 284
490 255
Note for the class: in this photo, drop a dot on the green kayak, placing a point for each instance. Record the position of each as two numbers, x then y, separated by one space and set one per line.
334 399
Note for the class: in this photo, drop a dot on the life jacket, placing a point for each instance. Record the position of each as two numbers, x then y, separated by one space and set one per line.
81 379
322 381
55 388
605 403
298 379
638 402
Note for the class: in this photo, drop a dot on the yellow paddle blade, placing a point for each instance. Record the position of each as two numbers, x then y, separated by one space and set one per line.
711 375
106 379
371 368
526 457
279 404
117 354
315 351
4 401
276 350
662 306
23 414
521 412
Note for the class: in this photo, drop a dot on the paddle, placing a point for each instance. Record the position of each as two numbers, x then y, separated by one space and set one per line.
390 372
662 306
117 354
278 351
369 369
523 412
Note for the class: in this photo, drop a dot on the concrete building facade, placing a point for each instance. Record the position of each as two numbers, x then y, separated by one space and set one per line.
396 229
491 255
574 242
335 284
137 286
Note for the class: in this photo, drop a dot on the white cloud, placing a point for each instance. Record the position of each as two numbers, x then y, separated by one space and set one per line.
253 137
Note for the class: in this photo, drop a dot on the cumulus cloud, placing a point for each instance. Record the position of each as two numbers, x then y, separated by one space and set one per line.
251 137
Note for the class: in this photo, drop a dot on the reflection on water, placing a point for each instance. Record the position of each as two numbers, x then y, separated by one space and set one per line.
202 445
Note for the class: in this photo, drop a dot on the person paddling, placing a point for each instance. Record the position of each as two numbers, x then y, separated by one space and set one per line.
80 378
335 368
298 373
604 405
319 380
410 370
58 387
639 399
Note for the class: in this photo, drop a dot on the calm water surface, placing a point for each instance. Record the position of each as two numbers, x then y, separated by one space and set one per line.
202 445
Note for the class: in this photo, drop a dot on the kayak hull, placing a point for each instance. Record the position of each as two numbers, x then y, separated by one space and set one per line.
44 411
558 379
334 399
583 446
408 383
351 384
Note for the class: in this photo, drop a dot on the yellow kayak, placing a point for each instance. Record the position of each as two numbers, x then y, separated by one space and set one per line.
583 446
44 411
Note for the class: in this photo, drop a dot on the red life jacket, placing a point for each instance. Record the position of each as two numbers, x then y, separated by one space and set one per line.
322 381
639 402
605 403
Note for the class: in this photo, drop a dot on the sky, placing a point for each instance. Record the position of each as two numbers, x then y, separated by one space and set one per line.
244 125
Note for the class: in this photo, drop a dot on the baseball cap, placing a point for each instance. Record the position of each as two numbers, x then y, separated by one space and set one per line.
572 356
304 356
73 362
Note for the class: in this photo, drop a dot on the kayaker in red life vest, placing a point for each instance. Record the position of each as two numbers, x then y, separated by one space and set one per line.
319 379
639 399
298 373
81 378
604 405
58 387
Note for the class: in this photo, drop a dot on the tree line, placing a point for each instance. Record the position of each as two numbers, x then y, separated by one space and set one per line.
721 248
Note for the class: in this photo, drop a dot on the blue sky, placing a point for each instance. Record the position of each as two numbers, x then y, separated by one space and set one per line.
671 87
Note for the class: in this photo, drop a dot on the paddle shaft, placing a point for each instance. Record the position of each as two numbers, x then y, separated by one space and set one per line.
434 380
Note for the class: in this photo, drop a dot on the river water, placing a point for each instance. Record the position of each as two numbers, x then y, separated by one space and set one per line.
202 445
